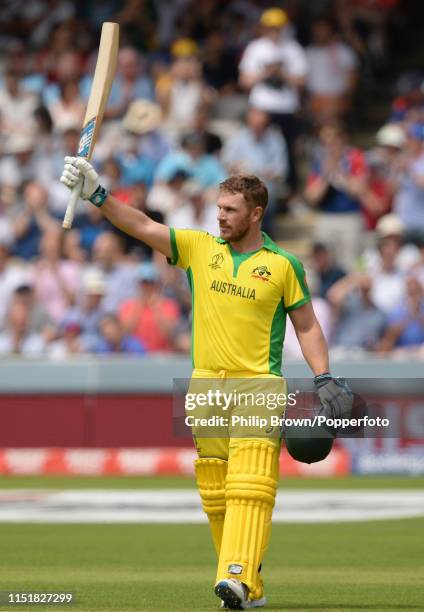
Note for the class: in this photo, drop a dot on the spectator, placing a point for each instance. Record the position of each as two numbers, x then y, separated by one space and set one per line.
376 198
166 195
359 322
143 118
68 345
72 249
40 321
17 339
111 177
56 281
119 275
32 220
323 313
405 327
259 149
69 109
135 166
390 227
409 200
21 162
138 200
150 316
181 91
273 69
326 270
193 160
219 63
90 226
197 212
67 69
335 186
17 106
388 281
200 125
418 268
114 340
87 313
385 164
332 74
410 97
137 22
11 276
17 61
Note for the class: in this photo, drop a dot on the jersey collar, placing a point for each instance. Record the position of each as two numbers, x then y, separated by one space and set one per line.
268 244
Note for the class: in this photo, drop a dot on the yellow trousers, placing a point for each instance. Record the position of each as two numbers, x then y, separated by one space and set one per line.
237 467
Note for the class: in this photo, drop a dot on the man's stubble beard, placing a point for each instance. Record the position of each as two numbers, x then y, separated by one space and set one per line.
239 233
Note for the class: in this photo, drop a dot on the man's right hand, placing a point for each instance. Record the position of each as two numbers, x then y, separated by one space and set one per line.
74 168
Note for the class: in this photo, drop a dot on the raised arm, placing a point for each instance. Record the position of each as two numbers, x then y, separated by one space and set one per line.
131 221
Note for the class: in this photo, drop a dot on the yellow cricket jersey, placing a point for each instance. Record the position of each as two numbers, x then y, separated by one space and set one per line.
240 301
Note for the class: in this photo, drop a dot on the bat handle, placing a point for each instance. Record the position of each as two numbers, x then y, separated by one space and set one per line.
72 204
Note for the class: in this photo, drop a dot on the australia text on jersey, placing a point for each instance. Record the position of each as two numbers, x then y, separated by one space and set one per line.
232 289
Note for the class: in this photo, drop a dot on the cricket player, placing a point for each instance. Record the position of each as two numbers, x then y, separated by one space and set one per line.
243 287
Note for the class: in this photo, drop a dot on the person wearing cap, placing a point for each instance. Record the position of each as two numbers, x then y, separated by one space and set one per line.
384 163
119 275
273 70
409 200
88 312
143 119
390 228
149 316
182 90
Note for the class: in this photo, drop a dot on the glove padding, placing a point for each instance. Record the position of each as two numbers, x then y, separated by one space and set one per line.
74 169
335 396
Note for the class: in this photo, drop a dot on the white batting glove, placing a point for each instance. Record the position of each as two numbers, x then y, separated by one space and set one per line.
77 167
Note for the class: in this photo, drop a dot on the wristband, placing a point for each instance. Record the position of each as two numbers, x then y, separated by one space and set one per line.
322 379
99 196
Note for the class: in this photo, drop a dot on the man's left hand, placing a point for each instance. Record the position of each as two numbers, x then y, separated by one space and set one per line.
335 396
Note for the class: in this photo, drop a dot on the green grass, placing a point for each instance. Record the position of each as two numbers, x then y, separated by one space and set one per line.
165 568
183 482
350 567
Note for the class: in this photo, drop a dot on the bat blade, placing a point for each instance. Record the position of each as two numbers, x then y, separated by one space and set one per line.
99 94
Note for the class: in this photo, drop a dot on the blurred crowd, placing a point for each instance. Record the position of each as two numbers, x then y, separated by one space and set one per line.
204 90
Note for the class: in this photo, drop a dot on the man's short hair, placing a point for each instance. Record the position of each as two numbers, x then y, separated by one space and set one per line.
251 187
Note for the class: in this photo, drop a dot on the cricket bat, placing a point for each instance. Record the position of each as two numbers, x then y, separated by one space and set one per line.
99 94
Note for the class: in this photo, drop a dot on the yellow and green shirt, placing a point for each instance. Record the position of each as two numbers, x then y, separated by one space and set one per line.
240 301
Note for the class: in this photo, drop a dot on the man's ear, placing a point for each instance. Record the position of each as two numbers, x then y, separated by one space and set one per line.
258 213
